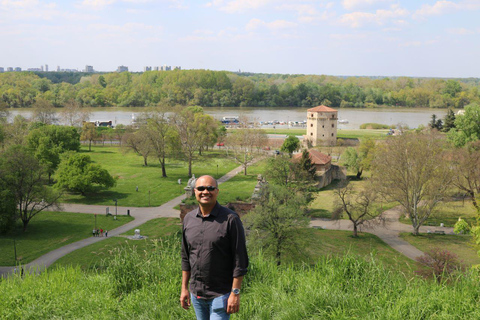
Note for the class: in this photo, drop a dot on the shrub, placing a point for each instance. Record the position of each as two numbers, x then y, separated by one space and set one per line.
371 125
440 263
461 227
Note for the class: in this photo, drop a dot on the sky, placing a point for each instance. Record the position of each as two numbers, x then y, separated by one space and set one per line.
415 38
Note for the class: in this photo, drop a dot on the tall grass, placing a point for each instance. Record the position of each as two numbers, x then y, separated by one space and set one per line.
146 285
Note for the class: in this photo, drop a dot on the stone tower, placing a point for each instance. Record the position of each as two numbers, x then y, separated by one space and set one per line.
322 126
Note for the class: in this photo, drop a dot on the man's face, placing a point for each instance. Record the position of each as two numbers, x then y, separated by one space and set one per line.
206 197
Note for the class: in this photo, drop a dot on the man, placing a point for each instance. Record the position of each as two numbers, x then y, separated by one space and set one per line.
214 255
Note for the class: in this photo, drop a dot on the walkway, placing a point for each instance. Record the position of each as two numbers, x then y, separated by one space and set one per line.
389 233
141 216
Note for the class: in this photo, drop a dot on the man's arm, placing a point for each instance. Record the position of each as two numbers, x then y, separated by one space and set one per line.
185 293
233 305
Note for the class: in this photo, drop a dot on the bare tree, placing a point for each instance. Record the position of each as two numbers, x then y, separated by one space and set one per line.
44 112
412 169
139 143
466 165
73 114
359 206
247 144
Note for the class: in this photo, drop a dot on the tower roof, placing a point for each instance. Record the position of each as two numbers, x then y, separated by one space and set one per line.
321 108
316 156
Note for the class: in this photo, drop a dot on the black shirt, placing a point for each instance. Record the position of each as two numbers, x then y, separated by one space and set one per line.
213 250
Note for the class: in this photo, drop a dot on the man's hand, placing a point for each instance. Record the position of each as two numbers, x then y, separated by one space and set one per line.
185 299
233 304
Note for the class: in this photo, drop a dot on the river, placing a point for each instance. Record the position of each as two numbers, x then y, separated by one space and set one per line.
412 117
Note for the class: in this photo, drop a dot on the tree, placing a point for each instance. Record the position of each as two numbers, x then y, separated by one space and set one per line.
26 181
162 136
467 126
48 142
78 173
412 169
307 165
466 170
44 112
73 114
290 144
246 144
449 121
8 206
139 143
362 159
277 221
436 123
89 133
359 206
288 173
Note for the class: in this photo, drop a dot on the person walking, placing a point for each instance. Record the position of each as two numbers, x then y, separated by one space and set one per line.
106 233
214 255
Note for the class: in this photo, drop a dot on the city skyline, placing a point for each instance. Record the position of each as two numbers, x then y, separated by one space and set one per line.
349 37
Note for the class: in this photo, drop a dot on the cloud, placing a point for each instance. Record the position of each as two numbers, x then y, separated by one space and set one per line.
440 7
97 4
356 4
380 17
276 25
236 6
460 31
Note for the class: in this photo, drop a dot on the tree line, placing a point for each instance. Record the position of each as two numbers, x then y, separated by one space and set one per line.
207 88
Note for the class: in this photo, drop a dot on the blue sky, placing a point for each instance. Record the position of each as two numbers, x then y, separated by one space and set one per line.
349 37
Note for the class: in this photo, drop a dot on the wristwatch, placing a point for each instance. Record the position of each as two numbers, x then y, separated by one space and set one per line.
236 291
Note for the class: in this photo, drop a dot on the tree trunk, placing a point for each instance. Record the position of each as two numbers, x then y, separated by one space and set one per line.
474 201
416 230
190 167
164 171
145 161
359 173
355 230
90 145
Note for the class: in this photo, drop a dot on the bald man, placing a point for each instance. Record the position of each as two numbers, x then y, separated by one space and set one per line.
214 255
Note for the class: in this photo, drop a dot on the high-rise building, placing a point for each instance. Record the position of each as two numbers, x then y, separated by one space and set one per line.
122 69
18 69
58 68
89 69
2 70
156 68
145 69
41 68
322 126
9 69
46 68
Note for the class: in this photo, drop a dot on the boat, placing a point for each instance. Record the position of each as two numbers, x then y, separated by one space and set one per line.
342 121
229 120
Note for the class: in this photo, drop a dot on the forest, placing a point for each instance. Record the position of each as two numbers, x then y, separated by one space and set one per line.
207 88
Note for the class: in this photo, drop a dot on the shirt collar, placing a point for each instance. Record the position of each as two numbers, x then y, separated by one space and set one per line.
214 211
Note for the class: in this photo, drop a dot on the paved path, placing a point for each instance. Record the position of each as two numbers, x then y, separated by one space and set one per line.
389 232
141 216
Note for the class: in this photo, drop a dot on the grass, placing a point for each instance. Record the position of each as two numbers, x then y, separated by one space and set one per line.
153 190
145 285
448 213
461 245
51 230
91 256
343 133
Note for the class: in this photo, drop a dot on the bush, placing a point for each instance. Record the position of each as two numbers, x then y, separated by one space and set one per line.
372 125
440 263
461 227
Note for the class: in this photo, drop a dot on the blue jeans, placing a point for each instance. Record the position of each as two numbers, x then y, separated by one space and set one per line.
211 309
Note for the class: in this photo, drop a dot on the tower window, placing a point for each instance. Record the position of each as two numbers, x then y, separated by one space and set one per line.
311 124
311 133
323 126
333 126
332 134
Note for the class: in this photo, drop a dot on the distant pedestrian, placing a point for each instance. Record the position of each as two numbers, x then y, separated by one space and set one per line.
106 233
136 188
179 181
96 232
101 232
93 232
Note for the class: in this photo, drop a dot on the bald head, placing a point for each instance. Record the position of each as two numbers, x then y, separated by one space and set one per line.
206 180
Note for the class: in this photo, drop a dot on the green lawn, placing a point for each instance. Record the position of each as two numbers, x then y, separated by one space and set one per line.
319 242
90 256
153 190
448 213
51 230
343 133
461 245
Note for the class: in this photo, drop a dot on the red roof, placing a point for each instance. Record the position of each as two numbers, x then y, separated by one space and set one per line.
316 156
321 108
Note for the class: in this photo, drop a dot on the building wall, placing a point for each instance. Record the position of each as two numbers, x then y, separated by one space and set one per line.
322 128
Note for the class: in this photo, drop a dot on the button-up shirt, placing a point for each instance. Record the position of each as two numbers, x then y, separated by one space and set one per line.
213 250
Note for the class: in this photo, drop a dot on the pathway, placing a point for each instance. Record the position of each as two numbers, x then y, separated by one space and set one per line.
141 216
389 233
